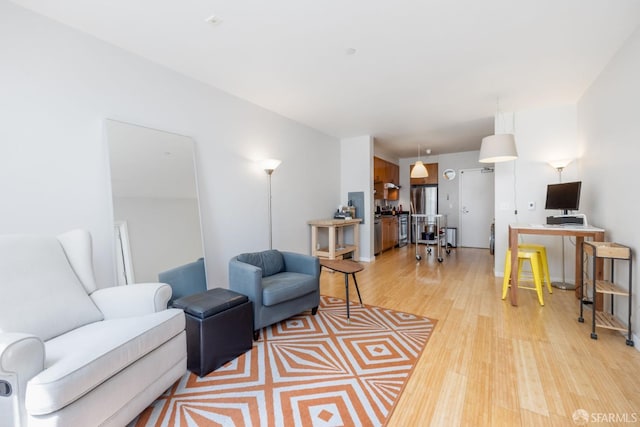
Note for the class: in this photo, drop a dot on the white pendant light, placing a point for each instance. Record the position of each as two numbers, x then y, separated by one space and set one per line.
419 170
498 148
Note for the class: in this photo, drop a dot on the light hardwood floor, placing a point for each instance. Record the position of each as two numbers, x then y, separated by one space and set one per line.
491 364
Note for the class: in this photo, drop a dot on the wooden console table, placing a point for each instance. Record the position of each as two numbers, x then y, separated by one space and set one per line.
577 231
336 247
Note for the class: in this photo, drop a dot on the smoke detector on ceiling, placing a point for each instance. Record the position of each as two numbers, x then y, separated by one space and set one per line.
214 20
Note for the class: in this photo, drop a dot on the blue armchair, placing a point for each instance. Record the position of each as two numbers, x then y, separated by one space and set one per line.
185 280
279 284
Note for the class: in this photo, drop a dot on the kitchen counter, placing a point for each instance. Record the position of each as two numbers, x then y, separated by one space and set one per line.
337 247
398 213
333 222
389 232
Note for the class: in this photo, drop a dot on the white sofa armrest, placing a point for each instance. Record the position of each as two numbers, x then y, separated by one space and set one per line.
21 353
132 300
21 358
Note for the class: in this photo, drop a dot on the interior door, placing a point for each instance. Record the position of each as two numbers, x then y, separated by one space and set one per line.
476 207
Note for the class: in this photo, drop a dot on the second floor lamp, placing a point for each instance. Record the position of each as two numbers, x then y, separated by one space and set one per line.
269 165
559 165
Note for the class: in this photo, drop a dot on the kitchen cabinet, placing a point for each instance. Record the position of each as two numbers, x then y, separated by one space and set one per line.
389 232
385 172
394 174
379 170
378 187
432 170
392 194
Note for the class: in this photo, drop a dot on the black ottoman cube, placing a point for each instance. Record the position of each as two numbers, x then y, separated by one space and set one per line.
219 328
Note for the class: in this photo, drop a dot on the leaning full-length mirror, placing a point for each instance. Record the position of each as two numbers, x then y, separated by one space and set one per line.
155 201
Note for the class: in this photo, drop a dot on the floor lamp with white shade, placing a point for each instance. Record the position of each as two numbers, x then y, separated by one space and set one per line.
269 165
559 165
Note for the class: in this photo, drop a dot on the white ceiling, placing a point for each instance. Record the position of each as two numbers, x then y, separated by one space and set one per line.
425 72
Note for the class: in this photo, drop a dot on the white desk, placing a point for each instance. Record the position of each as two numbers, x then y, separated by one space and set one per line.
577 231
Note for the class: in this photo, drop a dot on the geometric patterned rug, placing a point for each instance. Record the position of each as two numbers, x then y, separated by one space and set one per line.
305 371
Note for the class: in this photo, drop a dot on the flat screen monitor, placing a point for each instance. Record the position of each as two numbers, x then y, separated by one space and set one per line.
564 196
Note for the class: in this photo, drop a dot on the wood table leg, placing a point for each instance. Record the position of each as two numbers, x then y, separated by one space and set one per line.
513 245
599 298
356 242
314 240
599 301
578 266
355 282
332 242
346 289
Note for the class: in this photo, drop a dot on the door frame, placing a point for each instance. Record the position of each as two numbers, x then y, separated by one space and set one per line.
460 201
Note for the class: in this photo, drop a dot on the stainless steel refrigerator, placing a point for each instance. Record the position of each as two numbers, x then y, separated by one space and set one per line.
424 200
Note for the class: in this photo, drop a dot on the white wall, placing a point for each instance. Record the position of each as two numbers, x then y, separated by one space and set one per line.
58 86
609 129
448 191
382 153
356 169
541 136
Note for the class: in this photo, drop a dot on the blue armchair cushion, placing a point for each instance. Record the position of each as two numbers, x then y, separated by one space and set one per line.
270 262
286 286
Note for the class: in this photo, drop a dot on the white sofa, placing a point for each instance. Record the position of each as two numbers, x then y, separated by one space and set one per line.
75 355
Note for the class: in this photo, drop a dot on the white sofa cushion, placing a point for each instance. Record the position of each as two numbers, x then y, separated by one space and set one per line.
41 294
82 359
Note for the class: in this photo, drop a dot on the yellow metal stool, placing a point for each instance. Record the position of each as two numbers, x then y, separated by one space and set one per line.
534 259
542 251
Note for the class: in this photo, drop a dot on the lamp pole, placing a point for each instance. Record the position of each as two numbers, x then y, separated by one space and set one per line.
269 173
563 285
560 165
269 166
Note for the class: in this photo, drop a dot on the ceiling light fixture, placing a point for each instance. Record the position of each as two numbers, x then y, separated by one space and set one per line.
350 51
213 20
419 170
500 147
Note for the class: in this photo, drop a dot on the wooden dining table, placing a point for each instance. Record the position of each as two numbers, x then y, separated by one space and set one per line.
580 232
